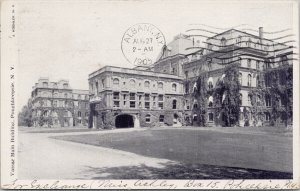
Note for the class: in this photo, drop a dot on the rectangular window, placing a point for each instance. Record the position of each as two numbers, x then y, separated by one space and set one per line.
116 104
147 105
161 105
116 96
160 98
132 104
161 118
147 97
132 96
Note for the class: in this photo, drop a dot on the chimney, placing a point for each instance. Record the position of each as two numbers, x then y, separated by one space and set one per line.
260 32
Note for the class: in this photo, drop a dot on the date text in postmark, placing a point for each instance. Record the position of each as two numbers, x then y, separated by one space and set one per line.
142 44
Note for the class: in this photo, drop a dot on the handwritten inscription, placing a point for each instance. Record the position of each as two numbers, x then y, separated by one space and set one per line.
142 44
154 184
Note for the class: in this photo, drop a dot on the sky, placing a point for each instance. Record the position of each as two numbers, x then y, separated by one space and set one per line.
71 39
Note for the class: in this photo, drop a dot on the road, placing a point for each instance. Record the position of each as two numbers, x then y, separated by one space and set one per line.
41 157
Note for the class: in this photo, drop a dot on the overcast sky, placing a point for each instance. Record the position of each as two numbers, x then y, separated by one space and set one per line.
70 39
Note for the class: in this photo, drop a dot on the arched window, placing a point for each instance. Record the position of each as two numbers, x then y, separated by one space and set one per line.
210 101
116 81
160 86
249 99
223 41
148 118
147 84
241 78
132 82
249 80
65 85
210 83
174 87
174 103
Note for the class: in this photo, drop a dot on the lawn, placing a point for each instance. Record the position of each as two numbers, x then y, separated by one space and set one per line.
201 147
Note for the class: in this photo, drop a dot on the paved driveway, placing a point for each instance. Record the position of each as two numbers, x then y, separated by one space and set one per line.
45 158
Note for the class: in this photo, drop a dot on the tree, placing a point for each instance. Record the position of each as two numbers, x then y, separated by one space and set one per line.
227 94
25 117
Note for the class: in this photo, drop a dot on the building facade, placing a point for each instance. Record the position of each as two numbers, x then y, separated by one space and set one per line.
56 104
122 97
237 78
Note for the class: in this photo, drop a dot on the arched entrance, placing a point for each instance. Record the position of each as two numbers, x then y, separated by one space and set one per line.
124 121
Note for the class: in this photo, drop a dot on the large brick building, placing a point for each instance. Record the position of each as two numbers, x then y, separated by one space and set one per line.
56 104
122 97
168 92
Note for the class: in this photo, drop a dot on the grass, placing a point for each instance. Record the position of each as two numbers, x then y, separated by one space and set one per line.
198 147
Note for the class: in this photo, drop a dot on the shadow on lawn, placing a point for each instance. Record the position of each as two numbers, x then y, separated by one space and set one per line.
184 171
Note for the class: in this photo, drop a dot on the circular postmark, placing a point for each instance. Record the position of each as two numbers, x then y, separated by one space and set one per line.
142 44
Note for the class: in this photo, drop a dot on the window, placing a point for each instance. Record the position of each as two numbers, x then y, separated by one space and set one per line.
132 100
116 95
174 103
132 96
66 95
161 118
249 63
147 101
97 88
249 80
148 118
161 101
210 117
147 84
79 114
241 99
268 100
86 114
160 85
132 82
257 64
45 84
195 106
174 87
210 101
116 99
223 41
249 99
210 104
210 85
102 83
65 85
240 78
116 81
132 104
55 85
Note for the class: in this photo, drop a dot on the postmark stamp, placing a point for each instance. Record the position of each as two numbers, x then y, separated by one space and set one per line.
142 44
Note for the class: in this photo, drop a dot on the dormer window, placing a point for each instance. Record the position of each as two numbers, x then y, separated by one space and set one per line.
45 84
65 85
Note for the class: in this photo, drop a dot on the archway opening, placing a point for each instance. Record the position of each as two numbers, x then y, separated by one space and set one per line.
124 121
